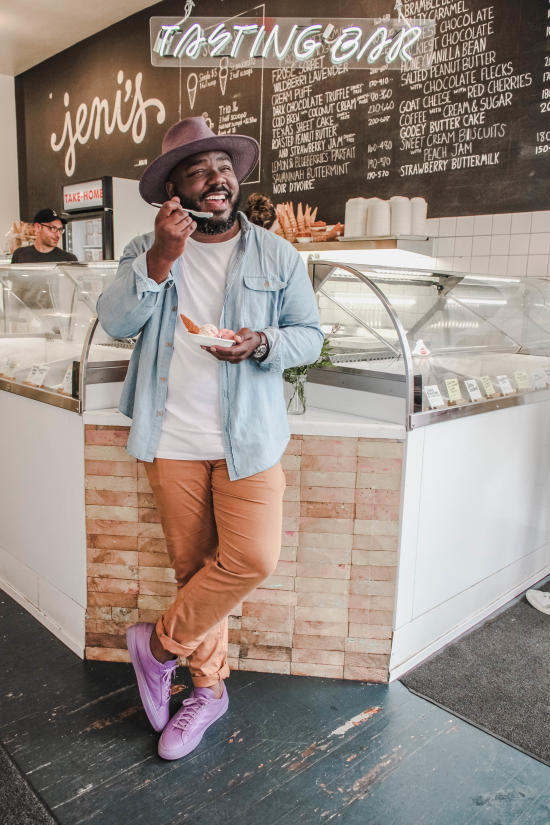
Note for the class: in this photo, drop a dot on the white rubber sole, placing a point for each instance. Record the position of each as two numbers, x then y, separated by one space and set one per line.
190 746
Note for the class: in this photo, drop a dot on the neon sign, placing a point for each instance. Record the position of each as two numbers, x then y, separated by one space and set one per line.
359 44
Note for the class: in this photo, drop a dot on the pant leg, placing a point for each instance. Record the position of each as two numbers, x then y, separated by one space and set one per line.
182 491
248 515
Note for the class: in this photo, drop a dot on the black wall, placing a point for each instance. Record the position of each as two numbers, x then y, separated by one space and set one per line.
471 134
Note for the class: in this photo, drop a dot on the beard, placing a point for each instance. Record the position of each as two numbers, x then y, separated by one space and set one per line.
212 226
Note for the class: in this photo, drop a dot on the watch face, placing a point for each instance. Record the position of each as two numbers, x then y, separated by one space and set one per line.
260 351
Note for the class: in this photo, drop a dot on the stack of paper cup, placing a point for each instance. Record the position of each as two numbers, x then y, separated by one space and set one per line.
356 218
400 209
419 210
378 218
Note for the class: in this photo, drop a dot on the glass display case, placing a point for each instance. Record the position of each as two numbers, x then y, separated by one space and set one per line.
51 349
449 344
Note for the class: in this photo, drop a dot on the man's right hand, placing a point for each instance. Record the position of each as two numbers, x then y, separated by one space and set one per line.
173 225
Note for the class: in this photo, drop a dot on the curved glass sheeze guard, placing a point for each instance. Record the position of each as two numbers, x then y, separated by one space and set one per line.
443 341
45 316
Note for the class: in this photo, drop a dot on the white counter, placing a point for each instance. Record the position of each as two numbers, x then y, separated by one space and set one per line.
474 526
314 422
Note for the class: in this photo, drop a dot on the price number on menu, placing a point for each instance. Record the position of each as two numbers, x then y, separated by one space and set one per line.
539 380
473 389
504 384
381 173
37 374
434 397
453 390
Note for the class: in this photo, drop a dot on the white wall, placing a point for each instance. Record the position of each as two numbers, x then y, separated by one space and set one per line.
9 195
516 244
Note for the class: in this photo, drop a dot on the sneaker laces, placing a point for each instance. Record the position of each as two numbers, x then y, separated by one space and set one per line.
189 711
166 684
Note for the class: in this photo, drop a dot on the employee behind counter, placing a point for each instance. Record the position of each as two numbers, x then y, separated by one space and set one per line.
48 229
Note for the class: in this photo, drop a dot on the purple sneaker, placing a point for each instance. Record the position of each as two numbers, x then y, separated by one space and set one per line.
153 677
185 729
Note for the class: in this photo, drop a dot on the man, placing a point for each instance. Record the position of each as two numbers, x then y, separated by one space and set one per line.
48 229
210 422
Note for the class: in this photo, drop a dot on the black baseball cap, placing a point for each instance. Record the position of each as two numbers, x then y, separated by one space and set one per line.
47 215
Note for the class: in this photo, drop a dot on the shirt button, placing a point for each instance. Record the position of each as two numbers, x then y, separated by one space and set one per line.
163 378
266 283
159 412
174 308
168 343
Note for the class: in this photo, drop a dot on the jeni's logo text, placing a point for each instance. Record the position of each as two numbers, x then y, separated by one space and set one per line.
128 112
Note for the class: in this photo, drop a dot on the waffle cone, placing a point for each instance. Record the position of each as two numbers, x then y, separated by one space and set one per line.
189 324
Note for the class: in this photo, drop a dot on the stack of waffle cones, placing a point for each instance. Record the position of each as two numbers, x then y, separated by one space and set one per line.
303 224
20 234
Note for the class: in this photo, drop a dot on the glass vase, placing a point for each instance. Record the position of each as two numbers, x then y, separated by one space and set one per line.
297 401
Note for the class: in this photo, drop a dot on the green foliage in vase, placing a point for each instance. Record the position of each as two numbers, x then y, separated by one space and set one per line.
292 374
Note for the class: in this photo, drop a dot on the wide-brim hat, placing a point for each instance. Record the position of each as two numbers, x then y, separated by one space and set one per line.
189 137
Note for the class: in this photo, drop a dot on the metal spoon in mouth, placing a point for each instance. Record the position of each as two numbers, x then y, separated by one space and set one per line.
194 212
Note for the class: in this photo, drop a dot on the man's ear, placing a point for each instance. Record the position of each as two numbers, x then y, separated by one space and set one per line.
170 188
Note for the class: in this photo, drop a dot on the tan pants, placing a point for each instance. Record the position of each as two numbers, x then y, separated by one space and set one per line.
223 539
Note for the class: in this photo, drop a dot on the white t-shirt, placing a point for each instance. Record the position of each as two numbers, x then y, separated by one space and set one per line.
191 428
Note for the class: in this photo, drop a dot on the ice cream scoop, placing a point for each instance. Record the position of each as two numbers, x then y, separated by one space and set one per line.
209 329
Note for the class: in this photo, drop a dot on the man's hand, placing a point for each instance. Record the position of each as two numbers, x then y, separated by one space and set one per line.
247 341
173 225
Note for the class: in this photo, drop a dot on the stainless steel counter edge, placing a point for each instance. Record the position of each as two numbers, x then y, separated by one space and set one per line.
423 419
41 394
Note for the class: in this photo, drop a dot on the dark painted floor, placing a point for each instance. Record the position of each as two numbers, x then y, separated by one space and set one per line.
78 734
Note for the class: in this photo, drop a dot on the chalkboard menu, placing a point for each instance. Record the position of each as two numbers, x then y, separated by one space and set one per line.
470 132
467 129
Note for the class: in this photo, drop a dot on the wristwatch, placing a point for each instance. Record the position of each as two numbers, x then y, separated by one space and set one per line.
262 349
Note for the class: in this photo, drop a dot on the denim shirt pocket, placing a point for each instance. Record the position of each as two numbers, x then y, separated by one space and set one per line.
263 296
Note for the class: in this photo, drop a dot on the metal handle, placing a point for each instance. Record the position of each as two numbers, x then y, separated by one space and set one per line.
405 349
83 362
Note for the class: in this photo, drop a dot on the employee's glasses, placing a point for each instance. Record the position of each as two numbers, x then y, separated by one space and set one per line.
59 229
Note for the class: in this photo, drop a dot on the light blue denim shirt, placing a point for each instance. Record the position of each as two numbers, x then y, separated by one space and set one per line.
267 289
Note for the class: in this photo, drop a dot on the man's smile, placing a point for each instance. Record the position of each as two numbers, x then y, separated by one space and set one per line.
216 200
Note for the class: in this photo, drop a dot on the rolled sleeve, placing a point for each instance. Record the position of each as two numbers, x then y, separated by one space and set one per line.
143 282
132 297
298 338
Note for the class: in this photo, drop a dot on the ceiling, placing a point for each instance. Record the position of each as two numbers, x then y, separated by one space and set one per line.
33 30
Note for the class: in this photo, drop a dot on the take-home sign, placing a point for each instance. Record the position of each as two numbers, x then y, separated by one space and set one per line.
83 195
360 44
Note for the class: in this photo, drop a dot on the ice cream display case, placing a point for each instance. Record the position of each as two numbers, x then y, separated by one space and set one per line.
437 344
51 349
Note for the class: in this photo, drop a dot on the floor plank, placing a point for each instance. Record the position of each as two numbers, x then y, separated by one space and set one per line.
290 751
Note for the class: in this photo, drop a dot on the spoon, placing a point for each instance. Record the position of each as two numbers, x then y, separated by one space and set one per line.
191 211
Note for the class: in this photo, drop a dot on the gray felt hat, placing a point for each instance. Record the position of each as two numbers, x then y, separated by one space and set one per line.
189 137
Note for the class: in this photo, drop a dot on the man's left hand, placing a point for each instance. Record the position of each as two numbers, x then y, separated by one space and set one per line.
246 342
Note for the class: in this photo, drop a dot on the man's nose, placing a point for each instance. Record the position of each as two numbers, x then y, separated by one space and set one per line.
216 176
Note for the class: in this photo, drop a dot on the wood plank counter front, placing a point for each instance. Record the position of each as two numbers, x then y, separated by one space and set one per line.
327 610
